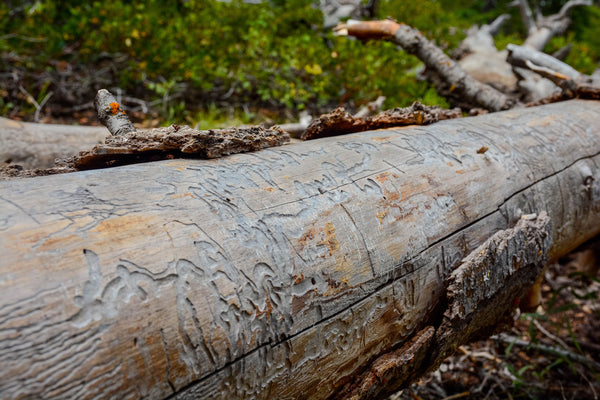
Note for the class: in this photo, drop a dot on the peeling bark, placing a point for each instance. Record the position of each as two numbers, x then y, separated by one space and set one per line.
482 294
339 122
174 142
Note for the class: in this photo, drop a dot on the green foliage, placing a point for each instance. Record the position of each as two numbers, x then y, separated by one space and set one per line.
275 54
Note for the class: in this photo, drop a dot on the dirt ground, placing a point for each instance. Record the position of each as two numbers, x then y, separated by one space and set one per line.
552 353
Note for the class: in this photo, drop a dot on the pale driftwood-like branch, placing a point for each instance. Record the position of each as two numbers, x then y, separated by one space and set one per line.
573 83
520 55
526 15
289 272
111 114
496 24
453 79
541 30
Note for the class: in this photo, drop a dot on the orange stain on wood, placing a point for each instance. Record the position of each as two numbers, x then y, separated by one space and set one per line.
381 215
382 177
381 138
179 195
330 240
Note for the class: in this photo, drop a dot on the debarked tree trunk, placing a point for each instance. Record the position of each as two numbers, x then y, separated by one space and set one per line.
343 266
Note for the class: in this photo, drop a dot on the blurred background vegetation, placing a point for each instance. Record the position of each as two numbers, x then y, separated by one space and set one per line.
216 62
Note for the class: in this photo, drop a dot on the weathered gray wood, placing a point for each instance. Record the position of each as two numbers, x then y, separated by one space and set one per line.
38 145
276 274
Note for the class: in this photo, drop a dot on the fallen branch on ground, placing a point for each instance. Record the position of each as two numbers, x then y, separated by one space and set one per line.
452 77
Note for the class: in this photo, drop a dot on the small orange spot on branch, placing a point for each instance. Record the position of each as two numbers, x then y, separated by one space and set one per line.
114 108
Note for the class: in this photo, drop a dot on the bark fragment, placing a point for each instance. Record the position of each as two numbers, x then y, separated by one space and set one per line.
481 297
339 122
175 142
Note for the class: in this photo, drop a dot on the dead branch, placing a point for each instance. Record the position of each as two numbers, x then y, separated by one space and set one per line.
453 79
519 56
542 29
290 272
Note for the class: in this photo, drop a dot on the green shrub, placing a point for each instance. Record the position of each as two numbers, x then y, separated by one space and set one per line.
189 54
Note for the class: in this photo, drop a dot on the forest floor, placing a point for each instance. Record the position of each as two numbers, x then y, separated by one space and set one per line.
552 353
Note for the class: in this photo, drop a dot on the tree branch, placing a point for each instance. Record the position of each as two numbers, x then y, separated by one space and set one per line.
454 78
526 15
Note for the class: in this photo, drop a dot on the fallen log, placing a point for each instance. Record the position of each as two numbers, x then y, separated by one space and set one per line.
339 267
38 145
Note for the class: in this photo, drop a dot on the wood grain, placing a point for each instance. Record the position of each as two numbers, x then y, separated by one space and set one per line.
276 274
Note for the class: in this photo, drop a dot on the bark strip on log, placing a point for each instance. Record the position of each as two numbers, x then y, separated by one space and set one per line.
339 122
493 277
174 142
277 274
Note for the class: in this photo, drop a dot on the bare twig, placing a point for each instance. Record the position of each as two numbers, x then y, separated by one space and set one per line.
36 115
526 14
495 26
509 339
550 335
566 9
563 52
32 100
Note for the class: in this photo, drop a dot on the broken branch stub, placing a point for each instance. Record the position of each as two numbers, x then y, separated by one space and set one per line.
111 114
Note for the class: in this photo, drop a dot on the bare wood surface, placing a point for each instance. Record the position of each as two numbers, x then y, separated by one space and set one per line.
38 145
284 273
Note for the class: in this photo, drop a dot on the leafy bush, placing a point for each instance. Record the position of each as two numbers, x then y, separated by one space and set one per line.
189 54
